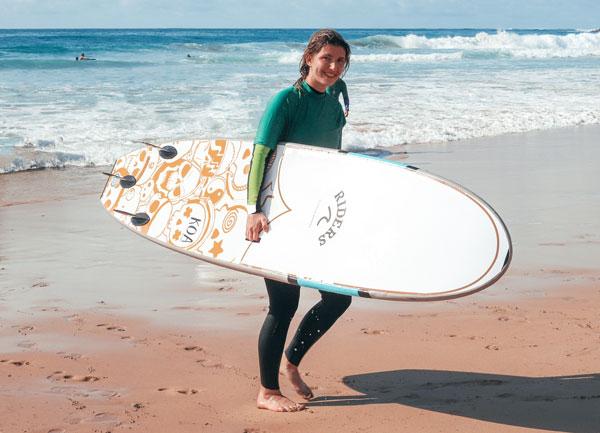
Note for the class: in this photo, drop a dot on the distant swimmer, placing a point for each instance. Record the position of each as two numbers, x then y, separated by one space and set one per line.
335 89
83 57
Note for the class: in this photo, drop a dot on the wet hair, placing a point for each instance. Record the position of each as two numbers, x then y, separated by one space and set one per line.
317 41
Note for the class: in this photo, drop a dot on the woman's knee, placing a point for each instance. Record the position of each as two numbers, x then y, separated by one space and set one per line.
283 298
336 302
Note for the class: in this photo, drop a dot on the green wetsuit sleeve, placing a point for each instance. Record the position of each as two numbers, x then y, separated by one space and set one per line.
345 95
257 172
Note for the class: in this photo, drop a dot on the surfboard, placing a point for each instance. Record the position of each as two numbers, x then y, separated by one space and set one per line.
339 221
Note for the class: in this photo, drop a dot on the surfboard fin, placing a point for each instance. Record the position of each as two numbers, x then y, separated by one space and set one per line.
125 181
138 219
167 152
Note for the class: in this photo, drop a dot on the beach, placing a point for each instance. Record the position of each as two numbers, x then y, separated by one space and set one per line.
103 331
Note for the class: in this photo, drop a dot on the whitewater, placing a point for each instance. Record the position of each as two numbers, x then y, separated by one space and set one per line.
158 85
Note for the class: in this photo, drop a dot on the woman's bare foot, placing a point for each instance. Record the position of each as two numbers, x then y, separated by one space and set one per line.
273 400
291 372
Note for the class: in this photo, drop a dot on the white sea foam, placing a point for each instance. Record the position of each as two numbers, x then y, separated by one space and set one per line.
289 58
403 89
519 45
430 109
408 57
100 135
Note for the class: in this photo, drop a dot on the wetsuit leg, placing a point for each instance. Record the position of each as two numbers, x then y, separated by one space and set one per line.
316 322
283 302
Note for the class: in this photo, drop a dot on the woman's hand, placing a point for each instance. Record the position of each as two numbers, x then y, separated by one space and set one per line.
256 223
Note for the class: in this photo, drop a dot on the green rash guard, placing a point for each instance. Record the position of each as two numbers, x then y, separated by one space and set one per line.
308 117
339 86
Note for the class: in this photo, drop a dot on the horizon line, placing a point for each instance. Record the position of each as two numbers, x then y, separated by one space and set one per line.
295 28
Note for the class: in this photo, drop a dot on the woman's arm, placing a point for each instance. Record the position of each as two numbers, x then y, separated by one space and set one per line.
256 221
270 129
346 99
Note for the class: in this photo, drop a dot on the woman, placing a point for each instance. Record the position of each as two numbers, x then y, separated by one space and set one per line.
302 114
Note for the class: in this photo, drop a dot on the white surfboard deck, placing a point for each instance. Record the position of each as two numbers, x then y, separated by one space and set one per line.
340 222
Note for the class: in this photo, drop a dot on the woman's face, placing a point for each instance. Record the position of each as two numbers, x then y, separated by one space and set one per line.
325 67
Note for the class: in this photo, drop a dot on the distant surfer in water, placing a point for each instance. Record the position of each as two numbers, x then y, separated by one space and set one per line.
83 57
336 89
306 114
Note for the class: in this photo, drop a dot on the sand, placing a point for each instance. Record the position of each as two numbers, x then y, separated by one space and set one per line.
102 331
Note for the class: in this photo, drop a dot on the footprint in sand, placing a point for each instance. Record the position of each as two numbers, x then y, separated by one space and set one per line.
15 363
184 391
110 327
194 348
581 352
69 355
106 418
370 331
206 363
27 344
62 375
53 309
23 329
133 340
74 318
188 308
72 393
228 280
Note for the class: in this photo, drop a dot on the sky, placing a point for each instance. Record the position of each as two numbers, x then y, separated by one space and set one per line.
493 14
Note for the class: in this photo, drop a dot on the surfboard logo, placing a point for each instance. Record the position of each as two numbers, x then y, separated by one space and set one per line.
333 227
194 226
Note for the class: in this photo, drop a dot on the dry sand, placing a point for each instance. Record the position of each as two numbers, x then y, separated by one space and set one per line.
102 331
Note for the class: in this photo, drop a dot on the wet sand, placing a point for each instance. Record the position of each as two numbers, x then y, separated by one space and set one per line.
103 331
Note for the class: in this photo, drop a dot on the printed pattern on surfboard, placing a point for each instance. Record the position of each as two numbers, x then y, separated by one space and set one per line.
340 222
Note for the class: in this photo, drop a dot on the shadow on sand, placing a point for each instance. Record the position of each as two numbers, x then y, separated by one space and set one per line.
562 403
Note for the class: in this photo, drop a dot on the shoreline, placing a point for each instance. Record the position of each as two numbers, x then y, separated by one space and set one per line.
104 331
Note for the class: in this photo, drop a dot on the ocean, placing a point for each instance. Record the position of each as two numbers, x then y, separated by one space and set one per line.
159 85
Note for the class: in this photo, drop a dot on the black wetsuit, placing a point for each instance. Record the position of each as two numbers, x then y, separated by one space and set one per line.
283 302
313 118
